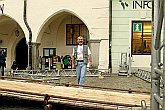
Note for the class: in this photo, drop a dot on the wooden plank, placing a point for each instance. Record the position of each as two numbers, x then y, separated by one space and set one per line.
79 94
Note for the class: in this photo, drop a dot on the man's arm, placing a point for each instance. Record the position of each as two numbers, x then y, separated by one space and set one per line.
73 65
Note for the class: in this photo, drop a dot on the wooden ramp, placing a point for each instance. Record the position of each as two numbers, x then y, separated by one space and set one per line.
71 95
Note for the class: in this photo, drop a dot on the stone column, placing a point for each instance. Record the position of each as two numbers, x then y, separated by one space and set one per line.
35 55
95 47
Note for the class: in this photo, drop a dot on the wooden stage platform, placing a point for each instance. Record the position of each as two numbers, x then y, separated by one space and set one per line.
73 96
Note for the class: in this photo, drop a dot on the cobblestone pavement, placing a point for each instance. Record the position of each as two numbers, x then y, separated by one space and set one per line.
114 82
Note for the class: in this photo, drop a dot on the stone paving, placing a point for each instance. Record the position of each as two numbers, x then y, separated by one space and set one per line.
114 81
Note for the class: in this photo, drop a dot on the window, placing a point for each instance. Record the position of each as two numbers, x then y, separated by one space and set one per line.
47 52
75 30
141 38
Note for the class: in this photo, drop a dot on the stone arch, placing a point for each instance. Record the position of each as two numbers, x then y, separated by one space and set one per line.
7 17
10 25
54 16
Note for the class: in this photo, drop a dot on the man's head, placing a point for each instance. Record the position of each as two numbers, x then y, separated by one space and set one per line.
80 40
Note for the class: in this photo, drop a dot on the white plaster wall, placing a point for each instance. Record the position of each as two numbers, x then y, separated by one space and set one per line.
104 54
141 61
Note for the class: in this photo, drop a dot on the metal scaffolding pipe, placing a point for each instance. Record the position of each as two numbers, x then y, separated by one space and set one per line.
163 106
159 24
155 78
158 71
159 100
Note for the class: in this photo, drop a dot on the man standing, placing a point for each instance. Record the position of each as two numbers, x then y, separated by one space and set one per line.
81 56
2 62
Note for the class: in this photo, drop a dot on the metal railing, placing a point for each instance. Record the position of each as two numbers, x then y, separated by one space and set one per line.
35 74
143 74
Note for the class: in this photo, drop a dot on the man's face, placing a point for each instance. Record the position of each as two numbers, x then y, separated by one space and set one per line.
80 40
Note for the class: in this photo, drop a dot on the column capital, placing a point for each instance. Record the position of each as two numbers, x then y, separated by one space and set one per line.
94 40
36 44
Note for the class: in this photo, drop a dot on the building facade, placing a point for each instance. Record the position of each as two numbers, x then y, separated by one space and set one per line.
51 28
132 32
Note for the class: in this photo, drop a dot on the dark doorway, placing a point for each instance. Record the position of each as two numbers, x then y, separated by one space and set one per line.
22 54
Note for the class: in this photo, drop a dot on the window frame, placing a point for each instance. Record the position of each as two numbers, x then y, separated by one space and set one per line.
143 38
74 36
49 54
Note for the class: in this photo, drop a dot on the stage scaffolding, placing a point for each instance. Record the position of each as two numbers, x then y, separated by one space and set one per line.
158 56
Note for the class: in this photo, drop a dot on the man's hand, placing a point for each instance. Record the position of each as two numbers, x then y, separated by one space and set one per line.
90 64
73 66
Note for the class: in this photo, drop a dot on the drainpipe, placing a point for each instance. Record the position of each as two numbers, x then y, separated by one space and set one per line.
30 37
110 32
